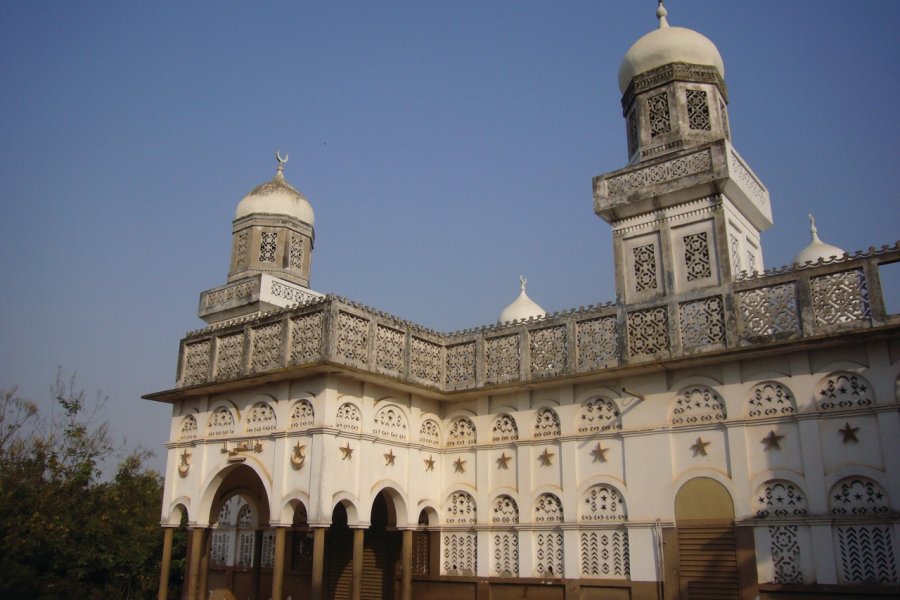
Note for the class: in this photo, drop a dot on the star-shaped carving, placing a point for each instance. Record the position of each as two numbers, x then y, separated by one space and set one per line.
849 433
429 464
699 447
771 441
459 465
347 452
389 457
546 458
599 453
503 461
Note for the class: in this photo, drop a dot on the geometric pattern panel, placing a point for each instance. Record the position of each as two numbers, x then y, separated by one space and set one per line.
548 351
389 349
546 423
697 405
505 429
430 433
188 429
696 256
781 499
461 509
230 354
658 110
604 553
268 244
599 414
353 337
302 415
698 110
866 554
770 399
548 509
459 554
306 338
348 418
840 298
196 362
261 418
844 390
596 343
648 331
425 361
390 422
295 259
603 503
769 310
267 556
266 347
505 511
785 550
501 359
702 322
506 555
645 277
549 554
221 422
462 433
859 496
461 365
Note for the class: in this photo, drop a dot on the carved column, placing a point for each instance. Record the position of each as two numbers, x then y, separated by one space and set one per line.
406 566
278 566
316 591
193 581
356 580
203 587
168 532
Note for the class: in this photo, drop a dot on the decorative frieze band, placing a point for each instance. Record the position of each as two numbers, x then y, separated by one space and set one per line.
665 171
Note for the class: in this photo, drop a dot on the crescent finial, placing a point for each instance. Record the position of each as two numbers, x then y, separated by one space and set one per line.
281 161
522 281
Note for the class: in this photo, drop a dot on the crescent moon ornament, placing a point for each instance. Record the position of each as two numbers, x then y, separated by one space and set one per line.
280 160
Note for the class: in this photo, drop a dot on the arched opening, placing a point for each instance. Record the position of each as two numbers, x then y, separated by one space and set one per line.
425 543
299 554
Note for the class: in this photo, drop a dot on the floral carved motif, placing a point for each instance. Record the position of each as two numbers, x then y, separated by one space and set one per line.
306 338
743 175
229 355
735 248
502 358
644 267
696 256
769 310
648 331
290 293
840 298
266 347
596 341
548 351
658 109
239 255
698 109
425 361
389 349
702 322
268 244
697 405
461 365
665 171
196 362
353 337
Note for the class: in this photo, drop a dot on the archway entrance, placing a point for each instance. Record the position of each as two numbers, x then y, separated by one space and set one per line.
707 548
381 548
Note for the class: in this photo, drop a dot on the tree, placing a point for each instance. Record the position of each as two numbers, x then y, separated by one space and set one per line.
64 532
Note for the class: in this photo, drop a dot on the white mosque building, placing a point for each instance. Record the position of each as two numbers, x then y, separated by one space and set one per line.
718 431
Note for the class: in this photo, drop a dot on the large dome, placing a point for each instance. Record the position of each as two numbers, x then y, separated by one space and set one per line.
668 45
276 197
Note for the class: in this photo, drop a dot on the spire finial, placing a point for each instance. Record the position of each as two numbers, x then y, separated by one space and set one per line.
281 161
522 281
661 13
812 227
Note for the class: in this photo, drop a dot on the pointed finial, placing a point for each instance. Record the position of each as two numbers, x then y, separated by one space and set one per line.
281 161
812 227
661 13
522 281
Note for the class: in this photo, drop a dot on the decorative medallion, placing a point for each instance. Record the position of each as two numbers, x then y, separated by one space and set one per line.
389 458
771 441
849 433
185 465
699 447
429 463
459 465
297 456
503 461
347 452
599 453
546 458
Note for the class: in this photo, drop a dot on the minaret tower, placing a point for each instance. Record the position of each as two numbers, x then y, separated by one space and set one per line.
687 211
271 252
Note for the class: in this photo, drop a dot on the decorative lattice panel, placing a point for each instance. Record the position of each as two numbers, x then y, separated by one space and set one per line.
603 503
785 549
462 432
658 111
461 365
390 422
501 359
858 496
221 422
779 499
267 553
548 509
505 560
353 337
696 256
734 246
505 511
260 418
425 361
548 351
769 310
658 173
348 418
460 509
268 246
549 556
770 399
645 278
866 554
697 405
596 343
295 254
302 415
840 298
459 554
504 429
841 391
306 338
546 423
698 110
266 347
599 414
702 322
430 433
648 332
229 355
604 554
389 349
188 429
239 253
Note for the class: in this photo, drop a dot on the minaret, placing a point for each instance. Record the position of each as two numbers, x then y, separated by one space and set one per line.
687 211
271 252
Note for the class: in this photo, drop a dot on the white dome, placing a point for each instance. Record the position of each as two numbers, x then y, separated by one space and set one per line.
276 197
522 307
817 249
668 45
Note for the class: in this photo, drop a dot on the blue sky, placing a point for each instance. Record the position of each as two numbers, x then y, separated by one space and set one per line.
446 147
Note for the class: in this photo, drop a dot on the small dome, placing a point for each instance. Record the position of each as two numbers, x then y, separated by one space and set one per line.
668 45
276 197
522 307
817 249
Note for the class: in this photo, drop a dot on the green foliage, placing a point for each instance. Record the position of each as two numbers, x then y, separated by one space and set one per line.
64 532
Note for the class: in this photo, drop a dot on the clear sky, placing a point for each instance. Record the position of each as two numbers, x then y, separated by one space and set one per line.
446 147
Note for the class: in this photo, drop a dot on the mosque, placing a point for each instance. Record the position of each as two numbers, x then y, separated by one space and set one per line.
718 431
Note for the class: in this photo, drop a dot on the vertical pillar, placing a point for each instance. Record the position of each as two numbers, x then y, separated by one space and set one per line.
204 566
193 582
318 564
406 566
356 579
168 532
278 566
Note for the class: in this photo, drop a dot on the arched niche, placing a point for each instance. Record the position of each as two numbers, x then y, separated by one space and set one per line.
703 499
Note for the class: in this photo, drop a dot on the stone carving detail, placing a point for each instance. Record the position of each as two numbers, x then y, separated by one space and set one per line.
505 511
603 503
723 110
232 292
306 338
461 509
644 267
502 358
769 310
268 244
221 422
858 496
666 171
696 256
266 347
840 298
735 248
548 351
188 429
698 109
295 253
267 557
599 414
549 554
389 349
239 256
196 362
230 355
604 553
648 331
546 423
302 415
548 509
770 399
750 184
425 361
461 365
430 433
220 548
866 554
843 390
785 549
780 499
261 418
505 429
658 109
460 554
506 555
348 418
632 132
291 294
390 422
697 405
353 337
751 261
596 343
702 322
462 433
